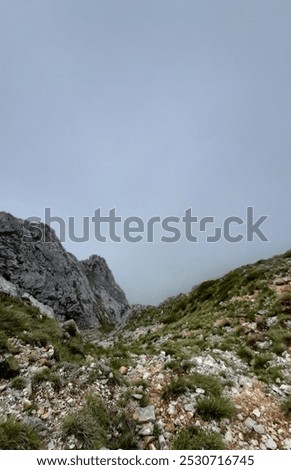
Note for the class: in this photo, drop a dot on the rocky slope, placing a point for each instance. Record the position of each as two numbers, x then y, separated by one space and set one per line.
205 370
34 260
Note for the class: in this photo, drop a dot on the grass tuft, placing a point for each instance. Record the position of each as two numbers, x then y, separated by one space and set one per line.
89 425
215 408
194 438
15 435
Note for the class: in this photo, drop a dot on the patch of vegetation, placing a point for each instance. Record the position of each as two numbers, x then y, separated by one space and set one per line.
3 342
9 368
127 438
46 375
280 338
144 401
261 361
25 322
209 383
89 425
157 430
117 362
284 302
181 384
93 376
124 399
179 366
106 327
140 383
15 435
115 378
286 406
19 383
270 374
194 438
76 347
71 327
275 373
245 353
215 408
175 388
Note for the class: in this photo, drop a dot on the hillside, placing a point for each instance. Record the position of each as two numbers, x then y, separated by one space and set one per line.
209 369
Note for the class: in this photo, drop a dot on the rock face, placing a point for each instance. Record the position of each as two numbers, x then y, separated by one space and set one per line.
104 287
34 260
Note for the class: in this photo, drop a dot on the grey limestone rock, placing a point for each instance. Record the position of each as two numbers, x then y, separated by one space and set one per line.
33 259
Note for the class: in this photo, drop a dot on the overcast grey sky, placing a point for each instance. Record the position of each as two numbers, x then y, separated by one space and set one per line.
150 107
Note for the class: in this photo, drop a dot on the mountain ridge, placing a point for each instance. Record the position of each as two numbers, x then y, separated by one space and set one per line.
33 258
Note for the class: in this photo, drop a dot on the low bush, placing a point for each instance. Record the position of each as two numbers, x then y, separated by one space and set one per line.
194 438
89 425
215 408
15 435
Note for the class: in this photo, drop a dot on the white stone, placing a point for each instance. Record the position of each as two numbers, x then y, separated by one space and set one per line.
171 410
146 376
287 444
228 436
259 428
256 412
145 415
250 423
270 444
188 407
162 442
147 430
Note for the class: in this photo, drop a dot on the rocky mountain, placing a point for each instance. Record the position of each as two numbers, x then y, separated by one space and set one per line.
104 288
209 370
34 260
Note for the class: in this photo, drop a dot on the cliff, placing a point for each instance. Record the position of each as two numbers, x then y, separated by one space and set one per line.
34 260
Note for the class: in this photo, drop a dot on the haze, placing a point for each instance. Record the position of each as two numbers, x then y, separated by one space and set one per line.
150 107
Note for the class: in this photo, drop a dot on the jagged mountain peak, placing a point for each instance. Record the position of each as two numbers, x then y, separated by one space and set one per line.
33 258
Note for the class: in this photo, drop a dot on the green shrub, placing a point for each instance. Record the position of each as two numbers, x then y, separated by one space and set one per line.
89 425
71 327
286 406
245 353
18 436
284 302
3 341
124 399
280 338
194 438
9 368
180 385
209 383
46 375
144 401
19 383
275 373
141 383
261 360
179 366
175 388
18 319
215 408
205 291
127 438
76 346
115 378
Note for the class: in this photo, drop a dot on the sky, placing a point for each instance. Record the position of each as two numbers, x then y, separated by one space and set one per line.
149 107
